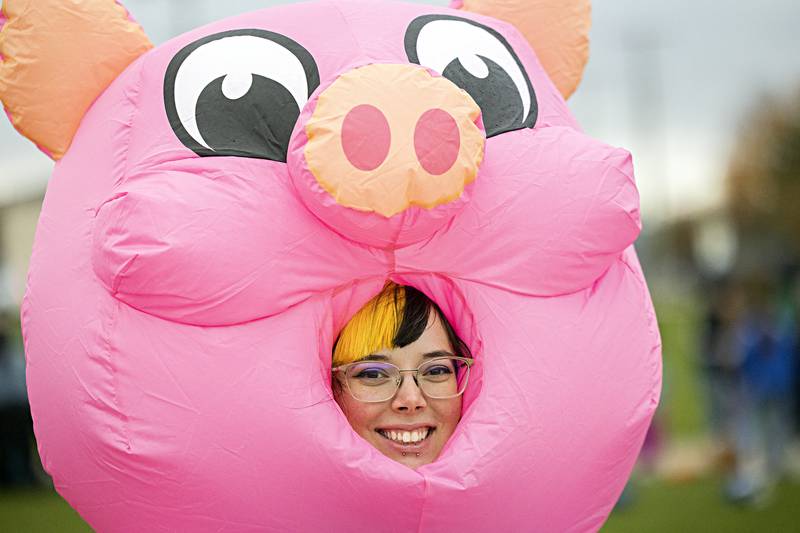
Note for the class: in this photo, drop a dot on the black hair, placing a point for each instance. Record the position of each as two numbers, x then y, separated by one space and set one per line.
417 311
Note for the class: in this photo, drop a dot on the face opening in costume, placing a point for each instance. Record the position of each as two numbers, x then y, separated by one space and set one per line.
399 372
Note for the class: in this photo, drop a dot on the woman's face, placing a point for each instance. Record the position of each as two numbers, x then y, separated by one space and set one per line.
409 410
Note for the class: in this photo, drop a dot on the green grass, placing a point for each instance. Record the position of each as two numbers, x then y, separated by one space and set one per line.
682 410
38 511
698 506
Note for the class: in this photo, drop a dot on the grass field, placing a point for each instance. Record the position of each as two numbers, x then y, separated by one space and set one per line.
682 402
698 507
38 511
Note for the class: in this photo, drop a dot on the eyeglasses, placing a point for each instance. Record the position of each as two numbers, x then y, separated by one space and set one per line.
376 381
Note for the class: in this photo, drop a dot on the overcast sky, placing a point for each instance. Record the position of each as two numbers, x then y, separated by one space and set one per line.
669 81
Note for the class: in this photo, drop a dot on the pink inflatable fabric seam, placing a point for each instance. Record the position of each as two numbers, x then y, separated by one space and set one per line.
652 324
132 97
351 33
107 345
639 277
425 499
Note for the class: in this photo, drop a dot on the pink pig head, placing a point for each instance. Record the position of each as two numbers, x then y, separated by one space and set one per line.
221 206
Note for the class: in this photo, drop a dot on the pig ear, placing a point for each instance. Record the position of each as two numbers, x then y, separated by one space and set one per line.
57 58
558 30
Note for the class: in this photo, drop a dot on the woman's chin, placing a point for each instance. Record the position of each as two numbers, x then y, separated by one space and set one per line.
412 455
411 460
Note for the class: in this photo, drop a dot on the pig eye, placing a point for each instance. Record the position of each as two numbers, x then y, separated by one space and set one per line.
479 60
239 93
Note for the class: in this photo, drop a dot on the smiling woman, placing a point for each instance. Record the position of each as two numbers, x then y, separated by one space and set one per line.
398 334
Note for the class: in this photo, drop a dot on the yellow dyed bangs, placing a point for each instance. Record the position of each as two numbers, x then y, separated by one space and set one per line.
373 328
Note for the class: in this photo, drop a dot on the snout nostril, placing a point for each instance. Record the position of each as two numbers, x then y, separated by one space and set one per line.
437 141
366 137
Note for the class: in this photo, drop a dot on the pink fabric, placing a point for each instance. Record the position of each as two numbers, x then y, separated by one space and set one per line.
181 311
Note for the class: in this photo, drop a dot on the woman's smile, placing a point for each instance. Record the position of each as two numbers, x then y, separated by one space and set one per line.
401 436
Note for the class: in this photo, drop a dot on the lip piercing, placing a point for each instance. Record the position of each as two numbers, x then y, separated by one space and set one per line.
404 454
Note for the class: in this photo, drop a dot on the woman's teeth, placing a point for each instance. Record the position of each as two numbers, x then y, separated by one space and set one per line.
406 437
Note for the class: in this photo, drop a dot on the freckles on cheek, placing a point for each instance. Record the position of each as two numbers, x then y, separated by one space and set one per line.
357 413
453 411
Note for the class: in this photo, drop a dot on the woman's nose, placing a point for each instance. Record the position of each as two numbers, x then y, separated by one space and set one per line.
384 137
409 396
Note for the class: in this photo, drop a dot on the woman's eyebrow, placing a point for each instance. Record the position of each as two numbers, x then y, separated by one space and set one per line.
438 353
375 357
429 355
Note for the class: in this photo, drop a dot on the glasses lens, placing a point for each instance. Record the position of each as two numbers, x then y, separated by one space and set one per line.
443 377
371 381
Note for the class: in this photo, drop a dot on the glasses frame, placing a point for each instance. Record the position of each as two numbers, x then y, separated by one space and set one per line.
399 382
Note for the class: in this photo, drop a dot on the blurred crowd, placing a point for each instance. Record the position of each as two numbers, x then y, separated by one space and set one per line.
734 273
750 335
751 364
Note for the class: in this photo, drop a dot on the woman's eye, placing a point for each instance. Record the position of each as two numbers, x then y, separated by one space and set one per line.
479 60
438 370
371 374
239 93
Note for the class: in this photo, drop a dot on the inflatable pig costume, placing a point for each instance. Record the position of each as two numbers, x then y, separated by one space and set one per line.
222 204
